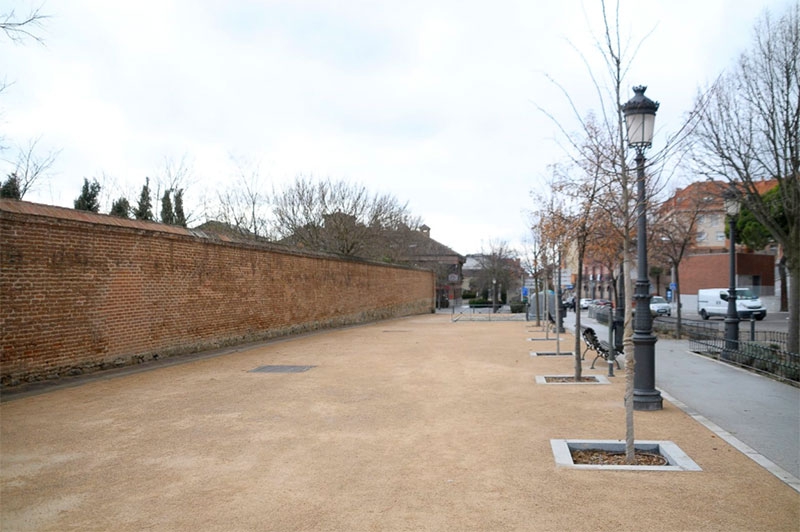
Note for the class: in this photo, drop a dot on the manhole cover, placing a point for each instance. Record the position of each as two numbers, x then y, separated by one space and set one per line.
281 369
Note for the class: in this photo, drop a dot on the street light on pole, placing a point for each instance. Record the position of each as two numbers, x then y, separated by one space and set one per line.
732 318
640 118
494 295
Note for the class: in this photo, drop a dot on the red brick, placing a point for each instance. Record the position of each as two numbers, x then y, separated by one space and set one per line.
85 291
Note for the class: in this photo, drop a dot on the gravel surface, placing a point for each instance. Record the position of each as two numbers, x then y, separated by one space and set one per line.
411 424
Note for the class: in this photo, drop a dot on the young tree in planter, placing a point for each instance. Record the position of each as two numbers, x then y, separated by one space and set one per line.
582 186
533 262
89 198
616 168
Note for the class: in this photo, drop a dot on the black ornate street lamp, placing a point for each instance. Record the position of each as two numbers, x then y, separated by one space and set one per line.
640 118
732 318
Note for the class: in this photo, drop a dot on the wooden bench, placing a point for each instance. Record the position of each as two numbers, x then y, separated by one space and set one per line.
601 348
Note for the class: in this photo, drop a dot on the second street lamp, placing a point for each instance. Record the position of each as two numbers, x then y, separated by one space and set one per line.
732 318
640 118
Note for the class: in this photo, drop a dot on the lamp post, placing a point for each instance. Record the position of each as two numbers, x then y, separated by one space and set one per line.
732 318
494 296
640 117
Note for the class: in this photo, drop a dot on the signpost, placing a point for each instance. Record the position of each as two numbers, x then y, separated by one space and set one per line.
566 278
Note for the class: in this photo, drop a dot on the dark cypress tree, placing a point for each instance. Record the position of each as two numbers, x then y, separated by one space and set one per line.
121 208
10 187
144 209
89 198
167 214
180 217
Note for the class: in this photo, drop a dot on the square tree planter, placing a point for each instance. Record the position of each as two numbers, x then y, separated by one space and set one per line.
677 460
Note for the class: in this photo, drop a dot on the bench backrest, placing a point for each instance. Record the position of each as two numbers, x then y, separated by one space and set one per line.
590 337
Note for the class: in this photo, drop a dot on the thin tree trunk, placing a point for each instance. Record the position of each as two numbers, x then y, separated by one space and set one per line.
794 305
577 308
536 291
678 331
630 451
784 287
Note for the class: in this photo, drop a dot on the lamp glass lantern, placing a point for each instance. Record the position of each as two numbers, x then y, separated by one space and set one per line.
640 118
731 203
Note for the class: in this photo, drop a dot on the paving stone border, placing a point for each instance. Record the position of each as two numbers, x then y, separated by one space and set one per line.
676 458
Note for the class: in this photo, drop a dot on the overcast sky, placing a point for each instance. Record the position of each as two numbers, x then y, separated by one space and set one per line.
432 101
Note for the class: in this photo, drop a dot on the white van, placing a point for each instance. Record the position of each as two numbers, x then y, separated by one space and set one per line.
714 302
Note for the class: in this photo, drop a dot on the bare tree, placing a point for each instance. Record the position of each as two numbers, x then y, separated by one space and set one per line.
750 132
675 230
19 28
610 154
579 219
498 268
174 178
339 217
533 260
30 166
244 205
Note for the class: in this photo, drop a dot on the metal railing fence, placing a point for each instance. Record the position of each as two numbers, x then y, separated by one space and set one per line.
486 313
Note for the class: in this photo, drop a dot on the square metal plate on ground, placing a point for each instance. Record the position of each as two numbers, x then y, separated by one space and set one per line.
281 369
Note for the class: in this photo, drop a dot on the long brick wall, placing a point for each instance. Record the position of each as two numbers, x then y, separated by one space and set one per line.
81 292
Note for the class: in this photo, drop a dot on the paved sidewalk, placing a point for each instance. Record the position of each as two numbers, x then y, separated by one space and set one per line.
762 413
407 424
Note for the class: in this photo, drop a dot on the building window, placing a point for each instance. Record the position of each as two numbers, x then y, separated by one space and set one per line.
701 236
720 236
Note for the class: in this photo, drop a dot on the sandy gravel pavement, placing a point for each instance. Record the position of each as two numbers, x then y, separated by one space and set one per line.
408 424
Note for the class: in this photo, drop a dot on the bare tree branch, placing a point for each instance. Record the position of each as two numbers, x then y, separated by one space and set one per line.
19 29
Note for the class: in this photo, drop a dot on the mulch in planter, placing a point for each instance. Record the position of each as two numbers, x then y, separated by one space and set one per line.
600 457
570 379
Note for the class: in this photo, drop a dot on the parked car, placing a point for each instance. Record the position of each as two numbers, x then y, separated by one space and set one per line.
585 302
601 303
714 302
660 307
